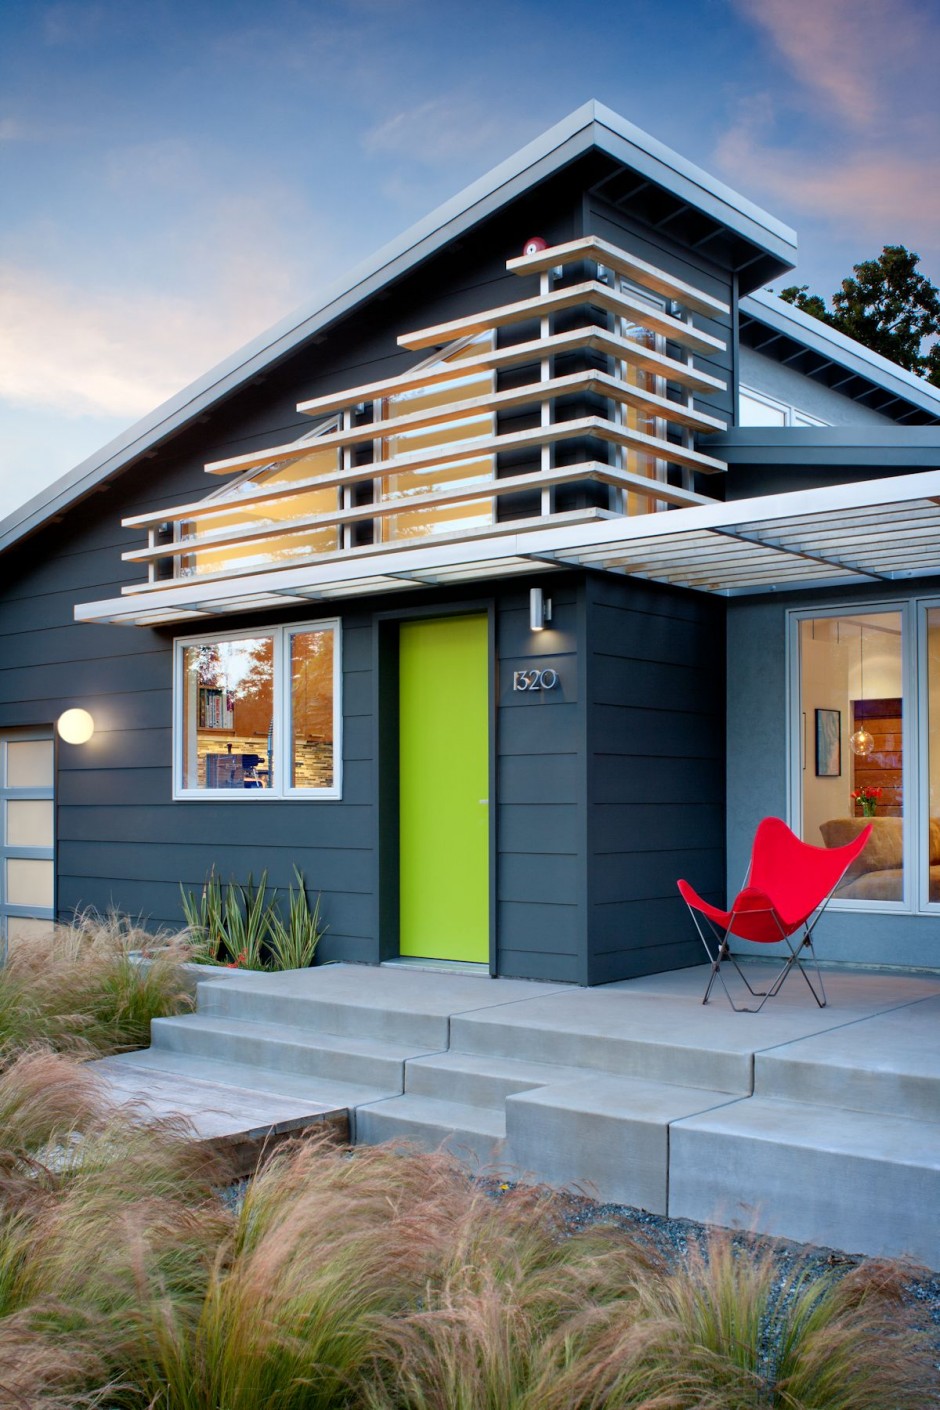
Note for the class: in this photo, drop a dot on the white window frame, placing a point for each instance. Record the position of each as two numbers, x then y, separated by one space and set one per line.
792 415
280 790
912 612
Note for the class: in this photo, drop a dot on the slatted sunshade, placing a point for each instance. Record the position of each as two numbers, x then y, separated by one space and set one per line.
882 530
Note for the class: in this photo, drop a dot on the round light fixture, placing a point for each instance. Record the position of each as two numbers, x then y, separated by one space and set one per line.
861 742
75 726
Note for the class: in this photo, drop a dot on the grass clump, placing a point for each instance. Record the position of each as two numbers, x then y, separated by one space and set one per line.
384 1279
80 988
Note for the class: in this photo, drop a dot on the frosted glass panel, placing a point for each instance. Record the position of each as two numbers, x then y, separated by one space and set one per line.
29 763
29 823
29 883
22 928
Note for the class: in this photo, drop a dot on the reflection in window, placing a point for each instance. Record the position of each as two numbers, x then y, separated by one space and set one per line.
311 668
640 462
266 544
236 691
229 713
467 473
851 692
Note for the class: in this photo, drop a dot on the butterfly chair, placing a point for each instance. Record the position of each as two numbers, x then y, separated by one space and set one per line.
786 889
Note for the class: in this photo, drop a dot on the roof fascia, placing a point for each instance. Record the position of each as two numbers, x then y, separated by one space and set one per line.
793 323
891 447
653 159
590 126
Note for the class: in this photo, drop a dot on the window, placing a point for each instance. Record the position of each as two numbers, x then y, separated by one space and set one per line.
758 409
27 834
434 430
258 714
855 741
637 461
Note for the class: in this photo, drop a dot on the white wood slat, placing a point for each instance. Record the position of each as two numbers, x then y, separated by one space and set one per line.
592 338
535 480
589 292
621 262
481 446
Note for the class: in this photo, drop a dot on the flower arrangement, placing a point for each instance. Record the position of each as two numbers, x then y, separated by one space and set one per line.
868 797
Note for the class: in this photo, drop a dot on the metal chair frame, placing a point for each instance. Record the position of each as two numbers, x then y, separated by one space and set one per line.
723 952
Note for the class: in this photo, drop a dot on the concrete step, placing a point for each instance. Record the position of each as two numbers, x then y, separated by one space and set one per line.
605 1135
859 1181
187 1068
378 1002
239 1123
349 1058
889 1063
469 1131
587 1029
474 1079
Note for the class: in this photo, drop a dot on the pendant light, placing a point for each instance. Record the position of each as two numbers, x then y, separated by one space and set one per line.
861 741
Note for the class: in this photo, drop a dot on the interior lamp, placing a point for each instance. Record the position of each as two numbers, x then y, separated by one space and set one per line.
861 742
540 609
75 726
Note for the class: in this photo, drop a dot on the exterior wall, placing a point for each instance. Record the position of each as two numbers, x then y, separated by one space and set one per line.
607 788
541 905
765 374
655 771
759 739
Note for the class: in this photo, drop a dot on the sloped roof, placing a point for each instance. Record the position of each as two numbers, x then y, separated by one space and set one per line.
769 248
791 325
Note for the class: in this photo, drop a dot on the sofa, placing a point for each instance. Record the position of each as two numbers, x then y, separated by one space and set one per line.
878 874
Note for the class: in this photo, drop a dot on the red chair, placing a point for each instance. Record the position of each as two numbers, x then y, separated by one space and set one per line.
787 886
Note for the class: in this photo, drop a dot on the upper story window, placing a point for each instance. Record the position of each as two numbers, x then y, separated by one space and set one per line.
758 409
426 425
257 715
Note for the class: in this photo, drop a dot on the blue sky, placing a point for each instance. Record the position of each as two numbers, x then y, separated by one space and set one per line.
177 176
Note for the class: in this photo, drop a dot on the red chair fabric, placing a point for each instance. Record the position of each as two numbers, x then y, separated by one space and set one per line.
788 884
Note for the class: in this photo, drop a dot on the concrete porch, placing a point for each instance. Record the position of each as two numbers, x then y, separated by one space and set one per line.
821 1125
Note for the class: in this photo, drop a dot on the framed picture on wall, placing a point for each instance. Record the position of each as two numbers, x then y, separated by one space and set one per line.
828 743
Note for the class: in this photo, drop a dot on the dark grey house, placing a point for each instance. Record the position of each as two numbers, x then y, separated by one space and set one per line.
532 569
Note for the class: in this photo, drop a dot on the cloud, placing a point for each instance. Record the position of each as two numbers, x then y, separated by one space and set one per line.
877 191
860 56
120 352
447 130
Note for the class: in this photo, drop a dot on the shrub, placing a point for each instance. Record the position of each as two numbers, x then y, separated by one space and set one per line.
241 926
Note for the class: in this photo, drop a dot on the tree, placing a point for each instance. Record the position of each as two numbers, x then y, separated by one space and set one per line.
888 306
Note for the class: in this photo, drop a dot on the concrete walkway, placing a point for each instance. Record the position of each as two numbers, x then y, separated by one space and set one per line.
821 1125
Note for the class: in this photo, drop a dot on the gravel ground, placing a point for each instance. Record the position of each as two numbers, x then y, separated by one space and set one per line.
673 1238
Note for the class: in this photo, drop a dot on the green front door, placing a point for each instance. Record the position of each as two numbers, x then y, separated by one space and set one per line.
444 785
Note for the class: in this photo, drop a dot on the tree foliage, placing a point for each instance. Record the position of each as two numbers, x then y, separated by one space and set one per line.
888 306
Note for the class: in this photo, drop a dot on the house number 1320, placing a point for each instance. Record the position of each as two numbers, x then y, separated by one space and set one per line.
535 680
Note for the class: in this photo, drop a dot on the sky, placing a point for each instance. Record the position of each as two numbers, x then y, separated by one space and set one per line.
176 176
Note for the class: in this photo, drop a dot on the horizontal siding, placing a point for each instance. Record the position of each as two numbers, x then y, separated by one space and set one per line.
655 775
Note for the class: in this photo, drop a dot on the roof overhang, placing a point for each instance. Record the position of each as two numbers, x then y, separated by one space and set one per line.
766 247
838 536
787 334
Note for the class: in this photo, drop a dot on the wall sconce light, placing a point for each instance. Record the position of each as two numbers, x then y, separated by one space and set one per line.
540 609
75 726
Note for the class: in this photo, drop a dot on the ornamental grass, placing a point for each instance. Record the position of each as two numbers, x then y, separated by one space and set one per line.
80 988
385 1279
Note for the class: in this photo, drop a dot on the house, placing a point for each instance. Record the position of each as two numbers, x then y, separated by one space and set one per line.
531 569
